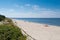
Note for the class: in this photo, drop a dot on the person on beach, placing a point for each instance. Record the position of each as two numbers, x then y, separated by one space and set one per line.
46 25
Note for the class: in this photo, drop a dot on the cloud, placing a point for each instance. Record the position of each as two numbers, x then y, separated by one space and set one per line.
16 5
11 10
30 11
7 12
21 6
35 7
27 5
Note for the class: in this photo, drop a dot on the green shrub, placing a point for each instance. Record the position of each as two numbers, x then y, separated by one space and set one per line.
2 17
8 32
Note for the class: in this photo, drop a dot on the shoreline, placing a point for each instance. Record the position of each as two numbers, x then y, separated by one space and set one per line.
39 31
38 23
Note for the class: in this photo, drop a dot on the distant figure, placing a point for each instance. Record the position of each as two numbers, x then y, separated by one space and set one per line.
46 25
15 22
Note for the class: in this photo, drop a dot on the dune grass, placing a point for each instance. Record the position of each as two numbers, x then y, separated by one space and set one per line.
11 32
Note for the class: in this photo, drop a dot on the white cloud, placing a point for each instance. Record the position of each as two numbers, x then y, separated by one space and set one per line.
35 7
6 12
16 5
11 10
21 6
35 11
27 5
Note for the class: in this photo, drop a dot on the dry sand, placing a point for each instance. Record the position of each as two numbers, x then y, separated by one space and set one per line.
39 31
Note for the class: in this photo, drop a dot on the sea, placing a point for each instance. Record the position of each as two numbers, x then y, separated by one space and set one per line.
49 21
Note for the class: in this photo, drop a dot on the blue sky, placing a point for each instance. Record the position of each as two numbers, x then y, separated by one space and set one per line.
30 8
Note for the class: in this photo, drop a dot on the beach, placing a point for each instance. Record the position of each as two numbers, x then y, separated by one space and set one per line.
39 31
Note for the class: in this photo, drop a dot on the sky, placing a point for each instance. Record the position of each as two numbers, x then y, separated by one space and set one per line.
30 8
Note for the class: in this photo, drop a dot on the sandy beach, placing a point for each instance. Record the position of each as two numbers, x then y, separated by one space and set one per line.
39 31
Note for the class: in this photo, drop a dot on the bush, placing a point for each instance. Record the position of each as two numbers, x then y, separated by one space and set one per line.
2 17
8 32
